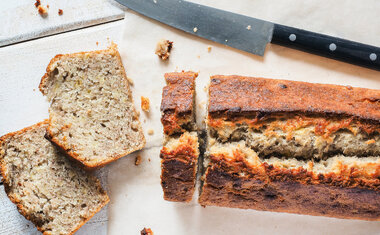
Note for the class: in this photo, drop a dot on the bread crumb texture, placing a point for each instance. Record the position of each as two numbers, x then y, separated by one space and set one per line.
147 231
42 10
92 116
138 160
145 103
37 3
150 132
60 12
163 49
48 189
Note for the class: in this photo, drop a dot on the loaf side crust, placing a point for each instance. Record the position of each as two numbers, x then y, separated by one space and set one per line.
230 189
20 208
43 88
179 169
179 155
238 95
177 101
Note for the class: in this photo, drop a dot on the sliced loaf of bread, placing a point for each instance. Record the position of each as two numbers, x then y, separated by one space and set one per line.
48 188
91 116
180 152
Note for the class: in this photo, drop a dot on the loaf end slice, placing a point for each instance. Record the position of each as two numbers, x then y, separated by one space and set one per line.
91 116
49 189
180 152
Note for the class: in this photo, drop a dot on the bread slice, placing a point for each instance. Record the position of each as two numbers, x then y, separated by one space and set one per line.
293 147
48 189
91 115
180 152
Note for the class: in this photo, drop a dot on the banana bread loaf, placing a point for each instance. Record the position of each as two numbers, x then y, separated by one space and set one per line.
91 114
48 189
293 147
180 151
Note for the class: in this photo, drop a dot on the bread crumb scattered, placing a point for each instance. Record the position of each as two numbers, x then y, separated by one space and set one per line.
34 89
130 81
209 48
163 49
150 132
138 160
48 6
195 29
145 104
60 12
205 88
42 10
146 231
198 56
37 3
200 106
249 27
149 159
372 141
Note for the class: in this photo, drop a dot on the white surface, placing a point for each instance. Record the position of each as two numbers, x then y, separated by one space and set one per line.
21 103
136 195
21 21
135 191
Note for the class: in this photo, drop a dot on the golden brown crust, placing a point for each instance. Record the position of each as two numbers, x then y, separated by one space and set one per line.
237 95
179 163
178 170
17 202
68 149
177 101
235 182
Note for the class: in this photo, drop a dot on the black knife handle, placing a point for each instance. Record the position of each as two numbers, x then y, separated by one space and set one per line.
324 45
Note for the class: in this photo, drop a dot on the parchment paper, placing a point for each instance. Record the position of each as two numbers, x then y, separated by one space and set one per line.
136 195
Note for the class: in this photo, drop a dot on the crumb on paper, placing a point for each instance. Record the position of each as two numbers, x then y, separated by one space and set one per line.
146 231
48 6
34 89
130 81
372 141
60 12
205 88
195 29
150 132
97 43
209 48
145 103
42 11
249 27
37 3
138 160
148 159
200 106
163 49
198 56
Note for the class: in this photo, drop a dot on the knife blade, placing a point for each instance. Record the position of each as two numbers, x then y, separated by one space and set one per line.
250 34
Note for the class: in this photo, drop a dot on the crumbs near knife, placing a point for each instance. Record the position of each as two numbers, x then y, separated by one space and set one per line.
163 49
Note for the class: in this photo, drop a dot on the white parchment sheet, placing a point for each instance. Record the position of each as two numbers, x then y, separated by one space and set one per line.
135 191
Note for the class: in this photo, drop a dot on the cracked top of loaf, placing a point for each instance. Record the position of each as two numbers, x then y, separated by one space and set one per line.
237 95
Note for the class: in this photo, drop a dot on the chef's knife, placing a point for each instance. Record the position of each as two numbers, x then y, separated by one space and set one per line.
251 34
